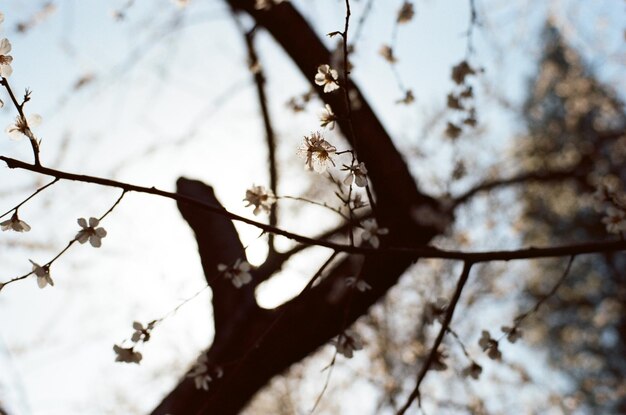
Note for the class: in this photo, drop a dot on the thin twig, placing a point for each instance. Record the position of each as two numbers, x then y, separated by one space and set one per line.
15 208
467 266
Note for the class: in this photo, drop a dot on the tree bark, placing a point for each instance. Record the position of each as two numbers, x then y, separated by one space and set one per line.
252 345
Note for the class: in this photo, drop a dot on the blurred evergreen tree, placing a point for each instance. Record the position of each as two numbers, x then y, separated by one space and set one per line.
575 127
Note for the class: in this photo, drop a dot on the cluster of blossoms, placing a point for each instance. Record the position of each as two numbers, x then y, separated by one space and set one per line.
613 204
238 274
141 334
201 374
347 343
90 232
261 198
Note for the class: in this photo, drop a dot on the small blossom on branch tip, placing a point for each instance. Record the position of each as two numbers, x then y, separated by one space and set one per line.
317 152
474 370
238 274
15 224
513 334
439 361
489 345
141 333
435 311
327 117
261 198
327 77
615 220
387 53
43 274
371 232
406 13
409 98
5 58
356 174
200 373
90 232
347 343
22 126
126 354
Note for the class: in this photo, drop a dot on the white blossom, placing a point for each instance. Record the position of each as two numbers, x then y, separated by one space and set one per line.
126 354
327 117
489 345
238 274
259 197
15 224
317 152
90 233
356 174
22 127
5 58
347 343
43 274
371 232
266 4
615 220
327 77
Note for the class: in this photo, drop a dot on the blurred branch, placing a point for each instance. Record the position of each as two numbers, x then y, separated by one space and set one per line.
434 351
532 177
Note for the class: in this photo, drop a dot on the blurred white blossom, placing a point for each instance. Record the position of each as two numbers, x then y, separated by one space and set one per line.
238 274
356 174
615 220
22 127
489 345
327 117
5 58
371 232
347 343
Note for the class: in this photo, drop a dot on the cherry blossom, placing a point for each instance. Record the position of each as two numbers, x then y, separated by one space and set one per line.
126 354
15 224
347 343
22 126
512 333
371 232
5 58
615 220
356 174
90 233
259 197
435 311
239 273
489 345
43 274
327 77
141 333
474 370
406 13
327 117
317 152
